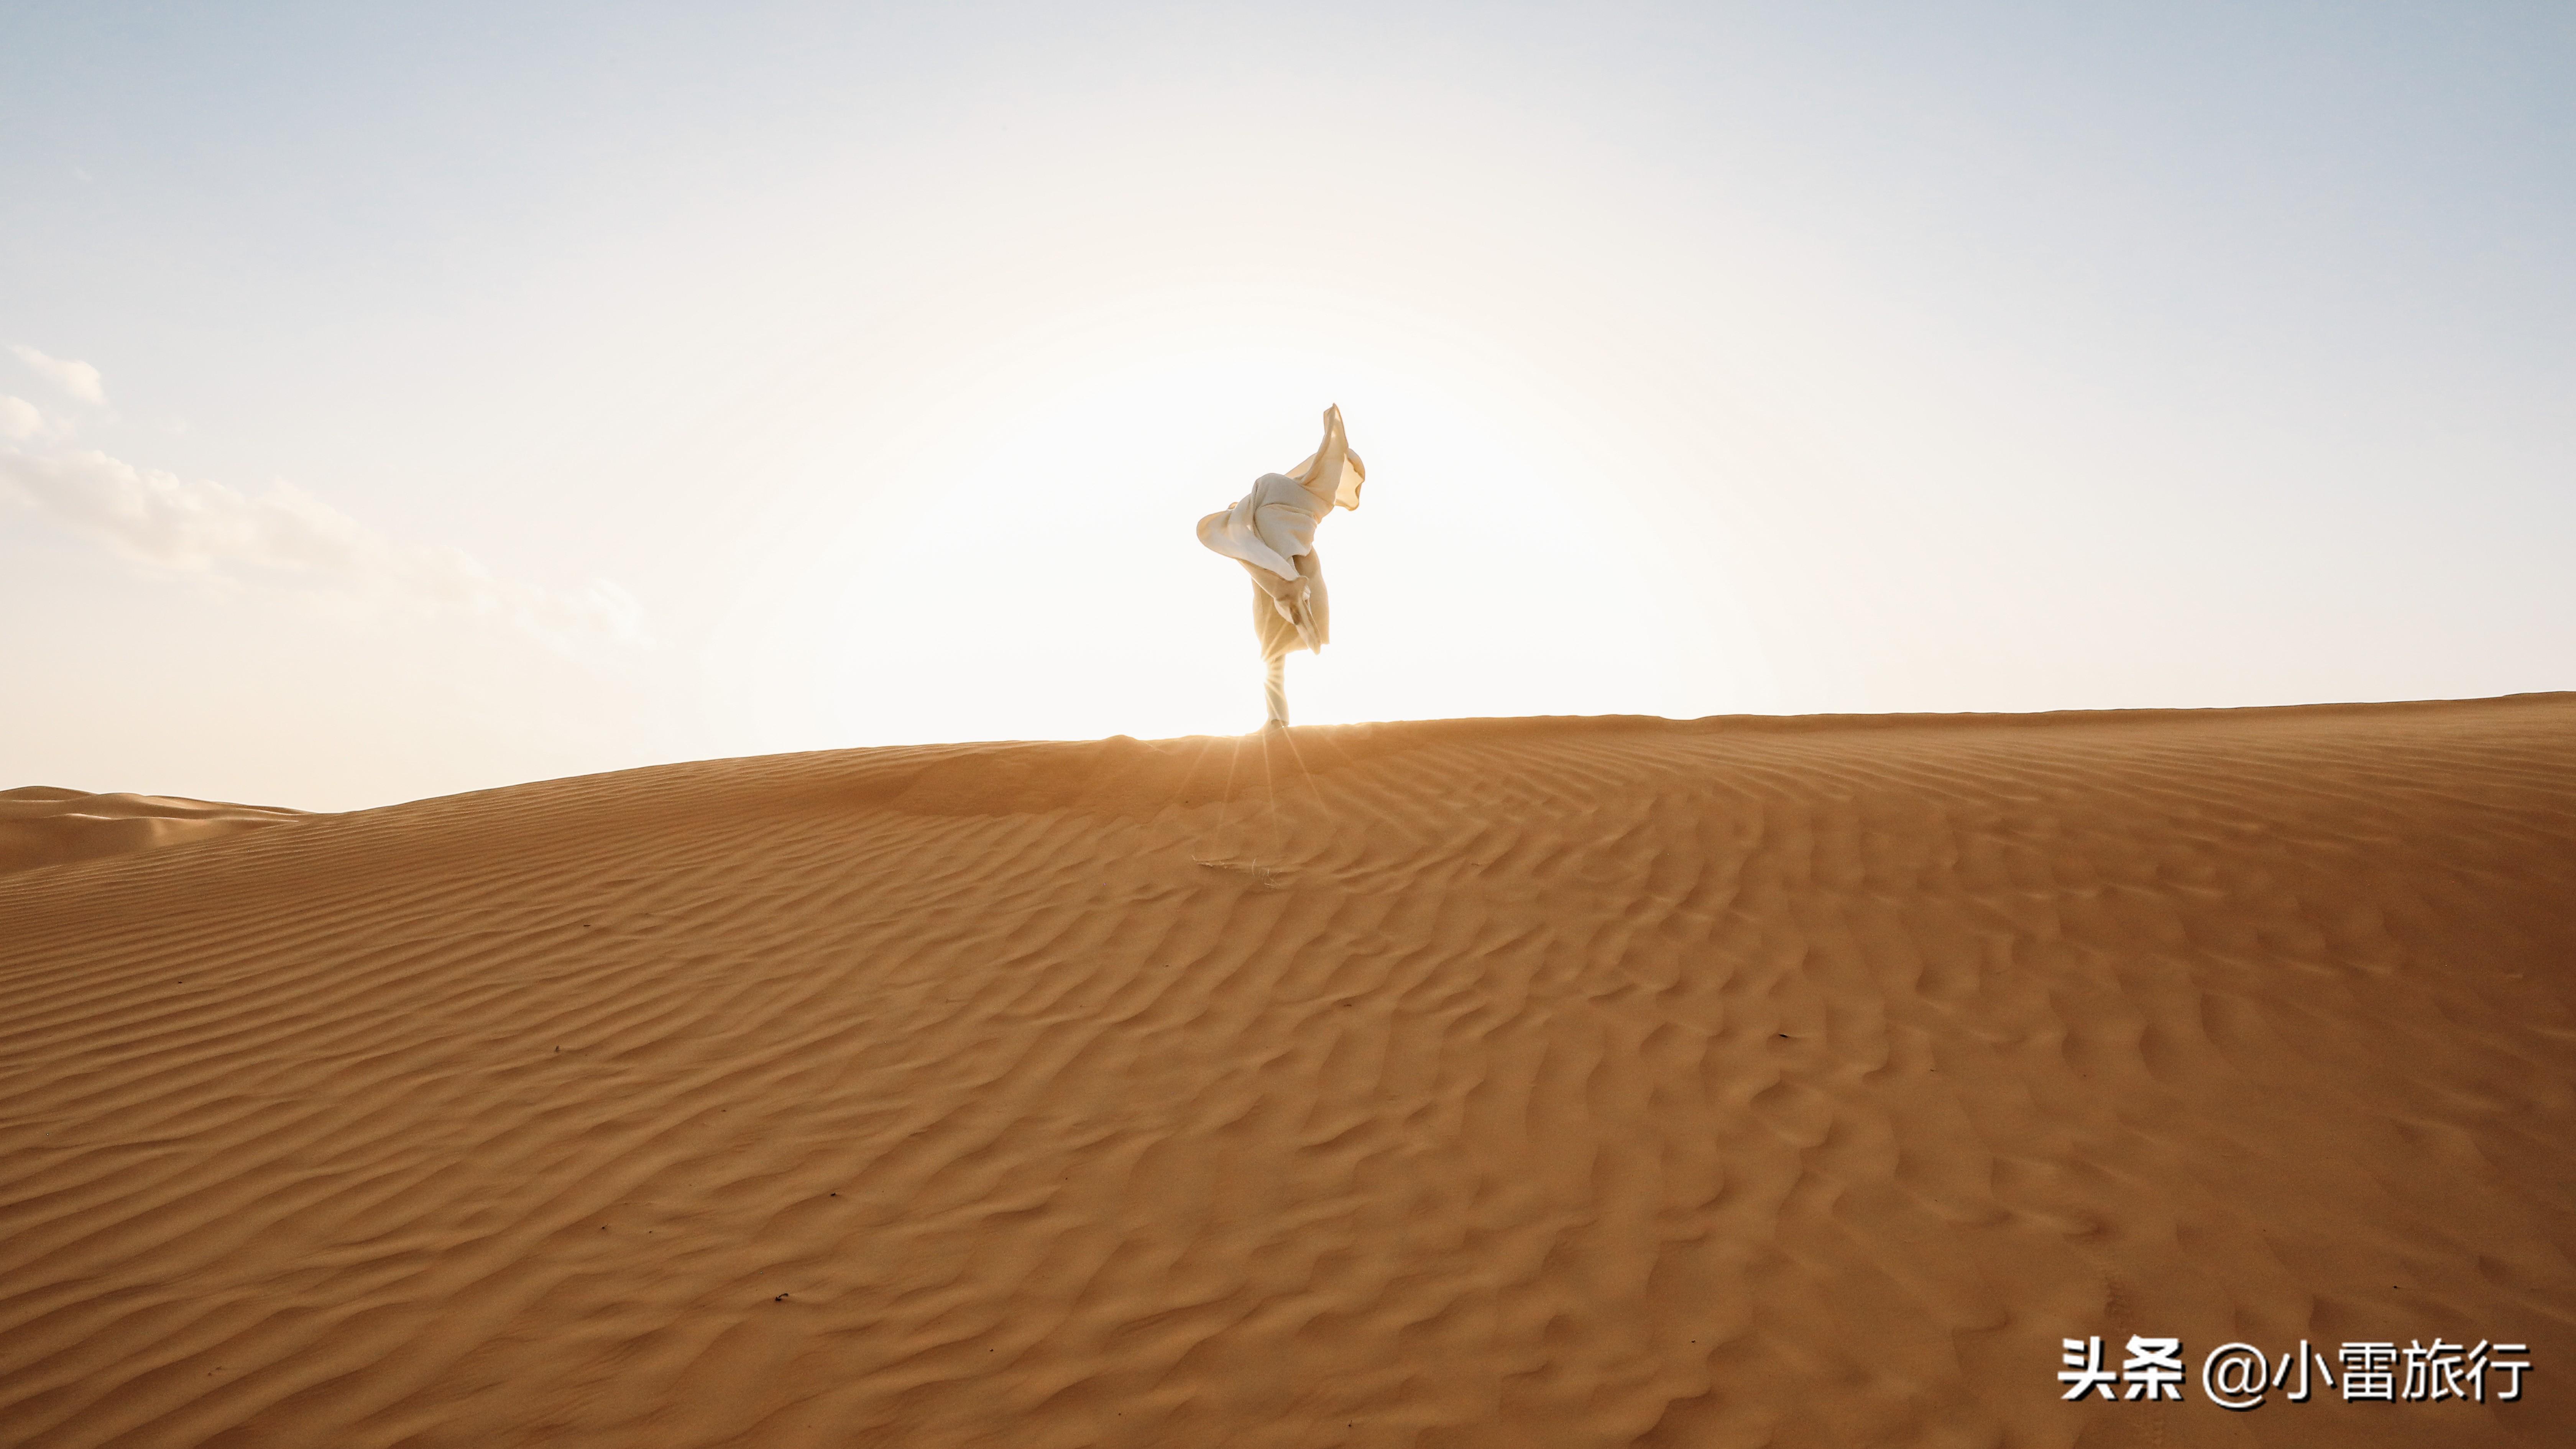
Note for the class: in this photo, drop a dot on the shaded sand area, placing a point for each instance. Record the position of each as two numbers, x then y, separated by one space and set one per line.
47 825
1547 1082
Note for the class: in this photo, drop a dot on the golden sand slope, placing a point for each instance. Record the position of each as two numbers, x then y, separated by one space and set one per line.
1548 1082
47 825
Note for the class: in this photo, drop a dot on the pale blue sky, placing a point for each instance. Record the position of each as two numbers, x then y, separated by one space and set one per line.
658 382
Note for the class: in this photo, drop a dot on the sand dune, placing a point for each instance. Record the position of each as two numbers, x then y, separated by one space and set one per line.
1525 1082
47 825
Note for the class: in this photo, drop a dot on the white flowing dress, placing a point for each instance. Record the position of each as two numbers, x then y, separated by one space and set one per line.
1271 532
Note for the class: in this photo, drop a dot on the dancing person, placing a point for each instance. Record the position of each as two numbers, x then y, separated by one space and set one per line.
1271 532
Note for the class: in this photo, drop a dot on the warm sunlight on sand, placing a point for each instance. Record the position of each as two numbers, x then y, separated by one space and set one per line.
1833 856
1535 1083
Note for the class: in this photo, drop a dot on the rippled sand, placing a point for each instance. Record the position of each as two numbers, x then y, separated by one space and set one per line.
47 825
1517 1082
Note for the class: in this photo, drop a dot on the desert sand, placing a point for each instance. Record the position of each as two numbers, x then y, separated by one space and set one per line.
1563 1082
48 825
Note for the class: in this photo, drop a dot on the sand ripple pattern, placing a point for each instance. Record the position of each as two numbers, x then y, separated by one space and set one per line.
1510 1083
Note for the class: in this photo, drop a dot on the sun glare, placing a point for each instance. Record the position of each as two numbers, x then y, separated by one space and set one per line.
1044 533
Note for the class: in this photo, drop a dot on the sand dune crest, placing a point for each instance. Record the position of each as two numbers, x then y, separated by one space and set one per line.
49 825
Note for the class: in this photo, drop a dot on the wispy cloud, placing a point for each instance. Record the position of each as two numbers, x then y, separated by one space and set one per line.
77 378
21 420
288 535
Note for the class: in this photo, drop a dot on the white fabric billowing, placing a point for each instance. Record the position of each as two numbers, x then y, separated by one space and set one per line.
1267 527
1342 472
1273 524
